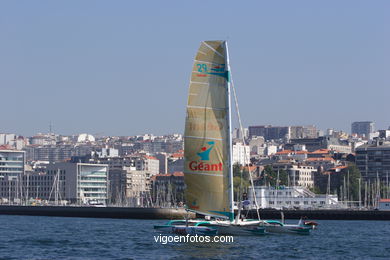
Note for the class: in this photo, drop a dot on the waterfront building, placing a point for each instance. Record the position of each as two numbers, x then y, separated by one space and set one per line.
147 163
78 183
298 174
117 187
137 182
82 182
11 162
176 162
373 160
163 162
11 172
332 180
129 186
363 128
168 189
384 204
293 197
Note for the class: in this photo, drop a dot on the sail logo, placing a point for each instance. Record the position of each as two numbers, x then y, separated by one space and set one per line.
218 70
205 156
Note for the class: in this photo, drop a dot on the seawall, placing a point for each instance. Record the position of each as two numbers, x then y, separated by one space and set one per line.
180 213
330 214
96 212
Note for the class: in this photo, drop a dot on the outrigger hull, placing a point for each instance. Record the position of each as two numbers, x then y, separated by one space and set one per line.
213 227
187 230
278 227
237 230
189 227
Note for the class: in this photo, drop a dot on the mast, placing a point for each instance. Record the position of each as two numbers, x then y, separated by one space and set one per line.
229 134
360 193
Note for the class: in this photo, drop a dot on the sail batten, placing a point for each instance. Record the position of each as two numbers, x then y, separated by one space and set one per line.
211 108
206 140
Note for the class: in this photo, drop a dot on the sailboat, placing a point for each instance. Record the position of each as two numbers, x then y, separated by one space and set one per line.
208 171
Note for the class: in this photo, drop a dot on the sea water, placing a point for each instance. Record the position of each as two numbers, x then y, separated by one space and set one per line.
33 237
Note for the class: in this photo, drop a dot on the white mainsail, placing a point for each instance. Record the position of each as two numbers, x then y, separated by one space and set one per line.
207 138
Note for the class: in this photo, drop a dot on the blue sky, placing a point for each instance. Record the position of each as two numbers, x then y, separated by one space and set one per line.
122 67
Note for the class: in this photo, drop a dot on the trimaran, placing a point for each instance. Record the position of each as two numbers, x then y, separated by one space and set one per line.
208 169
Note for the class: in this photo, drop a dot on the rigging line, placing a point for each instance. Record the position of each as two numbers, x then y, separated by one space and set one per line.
213 50
243 141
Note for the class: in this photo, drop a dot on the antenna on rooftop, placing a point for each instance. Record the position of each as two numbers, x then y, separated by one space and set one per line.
50 127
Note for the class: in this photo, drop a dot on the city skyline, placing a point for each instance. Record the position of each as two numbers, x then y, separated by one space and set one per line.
124 69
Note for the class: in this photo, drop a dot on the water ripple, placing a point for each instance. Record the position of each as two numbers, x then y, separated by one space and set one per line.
42 238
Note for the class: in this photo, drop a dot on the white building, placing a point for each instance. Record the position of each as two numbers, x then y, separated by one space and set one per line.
79 182
12 163
301 175
291 197
236 134
7 138
241 154
384 204
147 163
270 149
84 138
107 152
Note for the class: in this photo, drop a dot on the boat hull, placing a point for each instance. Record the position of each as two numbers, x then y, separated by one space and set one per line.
187 230
286 228
236 230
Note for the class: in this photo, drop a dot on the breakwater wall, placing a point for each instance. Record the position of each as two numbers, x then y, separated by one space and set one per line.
325 214
96 212
180 213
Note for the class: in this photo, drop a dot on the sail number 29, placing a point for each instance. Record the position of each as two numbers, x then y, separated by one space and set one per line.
202 67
